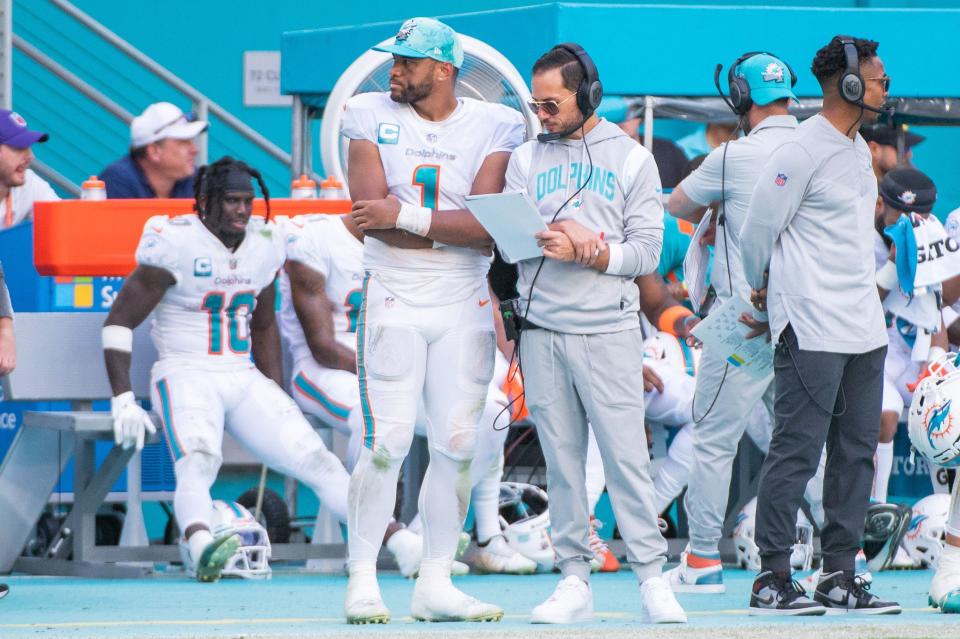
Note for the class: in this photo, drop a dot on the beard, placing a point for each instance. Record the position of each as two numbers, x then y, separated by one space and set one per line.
412 93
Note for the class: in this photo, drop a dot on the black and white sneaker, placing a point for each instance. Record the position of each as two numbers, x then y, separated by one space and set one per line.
777 593
4 589
842 592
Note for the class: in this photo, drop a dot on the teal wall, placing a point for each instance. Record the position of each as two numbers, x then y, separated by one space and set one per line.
204 41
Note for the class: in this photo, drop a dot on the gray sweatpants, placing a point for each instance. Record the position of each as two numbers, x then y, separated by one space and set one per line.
721 407
821 397
570 381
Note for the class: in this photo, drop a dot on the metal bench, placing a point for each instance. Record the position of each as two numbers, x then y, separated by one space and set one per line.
59 357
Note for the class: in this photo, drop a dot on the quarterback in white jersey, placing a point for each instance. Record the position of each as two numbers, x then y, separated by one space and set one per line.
425 325
321 297
210 279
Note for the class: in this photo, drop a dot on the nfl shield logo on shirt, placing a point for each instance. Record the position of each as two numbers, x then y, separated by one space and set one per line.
202 267
781 179
388 133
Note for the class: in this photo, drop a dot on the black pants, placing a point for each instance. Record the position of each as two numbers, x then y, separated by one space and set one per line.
821 398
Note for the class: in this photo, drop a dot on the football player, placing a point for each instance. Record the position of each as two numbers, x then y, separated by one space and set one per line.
425 328
209 277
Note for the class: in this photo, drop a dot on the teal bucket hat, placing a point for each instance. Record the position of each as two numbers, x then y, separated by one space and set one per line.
426 38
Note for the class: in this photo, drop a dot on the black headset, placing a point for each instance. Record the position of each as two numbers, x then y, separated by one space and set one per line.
851 84
739 89
589 93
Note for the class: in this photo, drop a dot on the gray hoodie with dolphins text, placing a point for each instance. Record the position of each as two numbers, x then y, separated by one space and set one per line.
623 201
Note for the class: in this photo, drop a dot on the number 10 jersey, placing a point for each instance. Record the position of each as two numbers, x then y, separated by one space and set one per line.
205 316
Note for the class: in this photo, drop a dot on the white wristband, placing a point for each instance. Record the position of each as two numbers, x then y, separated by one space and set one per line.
117 338
935 353
414 219
615 259
887 276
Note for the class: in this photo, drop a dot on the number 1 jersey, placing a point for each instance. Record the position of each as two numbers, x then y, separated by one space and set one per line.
205 315
431 164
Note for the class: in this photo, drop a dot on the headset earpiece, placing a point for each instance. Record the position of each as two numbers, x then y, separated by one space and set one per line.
739 89
590 91
851 84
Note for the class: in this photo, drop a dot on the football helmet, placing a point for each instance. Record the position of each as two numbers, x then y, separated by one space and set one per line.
525 521
673 351
934 420
927 530
252 559
748 553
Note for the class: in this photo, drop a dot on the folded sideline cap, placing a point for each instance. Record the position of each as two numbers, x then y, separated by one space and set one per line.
162 120
886 135
768 78
426 38
908 190
14 131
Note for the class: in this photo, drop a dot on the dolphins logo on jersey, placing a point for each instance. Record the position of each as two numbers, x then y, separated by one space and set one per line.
939 421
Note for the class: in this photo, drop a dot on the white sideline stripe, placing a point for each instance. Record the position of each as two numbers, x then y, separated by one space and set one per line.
340 620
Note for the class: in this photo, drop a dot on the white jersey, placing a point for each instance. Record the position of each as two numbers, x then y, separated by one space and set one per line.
431 164
205 315
323 243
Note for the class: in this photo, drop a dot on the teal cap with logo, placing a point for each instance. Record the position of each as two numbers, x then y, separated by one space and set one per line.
769 78
426 38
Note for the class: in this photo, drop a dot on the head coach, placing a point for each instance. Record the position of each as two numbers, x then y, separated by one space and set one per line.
810 225
581 347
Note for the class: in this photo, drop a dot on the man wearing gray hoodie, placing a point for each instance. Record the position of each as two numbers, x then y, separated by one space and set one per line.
581 348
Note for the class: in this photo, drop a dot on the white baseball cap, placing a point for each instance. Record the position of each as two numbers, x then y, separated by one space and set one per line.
163 120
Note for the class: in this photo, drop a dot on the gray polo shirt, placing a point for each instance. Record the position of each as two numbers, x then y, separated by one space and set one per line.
810 221
733 178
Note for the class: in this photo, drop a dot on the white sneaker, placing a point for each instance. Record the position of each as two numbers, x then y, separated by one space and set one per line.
706 580
658 604
406 547
945 585
498 557
572 601
436 599
363 603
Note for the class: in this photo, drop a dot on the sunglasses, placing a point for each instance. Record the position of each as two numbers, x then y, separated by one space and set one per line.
185 117
550 107
885 81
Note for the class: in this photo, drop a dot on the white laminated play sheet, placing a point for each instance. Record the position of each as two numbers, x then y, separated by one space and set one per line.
723 332
512 220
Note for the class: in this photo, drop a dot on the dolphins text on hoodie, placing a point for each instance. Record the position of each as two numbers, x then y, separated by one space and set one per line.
622 200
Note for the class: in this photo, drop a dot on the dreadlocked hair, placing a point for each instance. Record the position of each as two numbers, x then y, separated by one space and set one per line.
211 182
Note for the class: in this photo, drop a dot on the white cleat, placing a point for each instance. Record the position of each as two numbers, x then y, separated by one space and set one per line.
658 603
406 547
498 557
945 585
571 602
459 569
363 604
435 598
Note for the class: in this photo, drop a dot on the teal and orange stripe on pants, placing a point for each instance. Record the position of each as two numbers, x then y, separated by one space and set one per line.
176 448
369 424
311 391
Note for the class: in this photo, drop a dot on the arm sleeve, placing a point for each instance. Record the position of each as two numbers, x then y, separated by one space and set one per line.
780 188
359 119
157 248
639 253
705 185
6 307
518 169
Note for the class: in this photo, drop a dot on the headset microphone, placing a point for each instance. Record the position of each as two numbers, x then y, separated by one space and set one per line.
716 81
556 135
